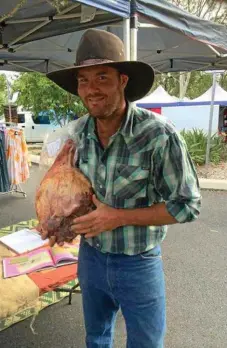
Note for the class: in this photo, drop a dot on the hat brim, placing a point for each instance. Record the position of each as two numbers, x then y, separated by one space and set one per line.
141 78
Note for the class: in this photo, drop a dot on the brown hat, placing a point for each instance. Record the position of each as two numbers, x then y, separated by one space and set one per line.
99 47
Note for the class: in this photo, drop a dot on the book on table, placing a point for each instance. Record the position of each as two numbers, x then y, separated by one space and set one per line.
23 240
40 259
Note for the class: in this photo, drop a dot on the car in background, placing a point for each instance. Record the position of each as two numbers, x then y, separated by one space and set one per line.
36 128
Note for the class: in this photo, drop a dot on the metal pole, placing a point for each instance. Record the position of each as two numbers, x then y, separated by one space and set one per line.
9 102
126 35
133 38
133 31
211 119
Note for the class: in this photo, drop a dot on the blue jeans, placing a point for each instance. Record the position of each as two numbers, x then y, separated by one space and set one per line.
133 283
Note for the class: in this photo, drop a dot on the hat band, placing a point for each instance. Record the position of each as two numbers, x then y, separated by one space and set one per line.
94 62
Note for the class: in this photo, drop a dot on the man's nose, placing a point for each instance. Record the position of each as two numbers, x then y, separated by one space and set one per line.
92 86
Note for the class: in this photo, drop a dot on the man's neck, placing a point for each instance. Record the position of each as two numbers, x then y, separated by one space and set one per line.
108 127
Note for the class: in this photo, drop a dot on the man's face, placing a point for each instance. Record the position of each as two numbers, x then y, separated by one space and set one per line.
101 88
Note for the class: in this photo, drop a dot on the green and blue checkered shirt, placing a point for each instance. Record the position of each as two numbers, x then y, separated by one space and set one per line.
146 162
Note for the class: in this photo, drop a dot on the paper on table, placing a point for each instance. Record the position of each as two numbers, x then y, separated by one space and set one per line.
23 240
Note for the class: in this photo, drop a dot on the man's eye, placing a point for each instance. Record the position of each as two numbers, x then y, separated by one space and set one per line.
82 80
102 77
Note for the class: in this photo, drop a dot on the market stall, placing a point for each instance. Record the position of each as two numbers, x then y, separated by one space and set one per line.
41 37
24 296
157 100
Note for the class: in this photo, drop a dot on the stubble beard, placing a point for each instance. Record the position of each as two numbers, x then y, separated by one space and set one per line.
107 112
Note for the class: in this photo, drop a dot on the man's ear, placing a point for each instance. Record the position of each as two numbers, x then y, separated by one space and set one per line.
124 80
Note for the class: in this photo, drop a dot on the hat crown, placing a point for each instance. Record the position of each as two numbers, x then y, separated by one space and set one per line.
99 44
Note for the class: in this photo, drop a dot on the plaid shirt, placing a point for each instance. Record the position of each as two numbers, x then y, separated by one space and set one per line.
146 162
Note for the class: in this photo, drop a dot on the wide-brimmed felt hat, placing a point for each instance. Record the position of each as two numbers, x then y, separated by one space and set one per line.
99 47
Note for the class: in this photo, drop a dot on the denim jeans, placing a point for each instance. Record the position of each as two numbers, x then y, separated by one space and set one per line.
134 284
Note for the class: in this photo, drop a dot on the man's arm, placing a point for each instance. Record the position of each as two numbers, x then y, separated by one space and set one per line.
106 218
176 181
156 215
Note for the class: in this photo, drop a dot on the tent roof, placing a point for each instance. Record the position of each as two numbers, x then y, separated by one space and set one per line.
178 40
37 19
164 14
220 95
158 97
178 43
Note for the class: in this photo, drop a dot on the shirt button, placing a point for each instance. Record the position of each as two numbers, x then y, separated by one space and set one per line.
100 186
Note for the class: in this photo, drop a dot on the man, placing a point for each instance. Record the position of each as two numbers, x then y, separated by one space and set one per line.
143 179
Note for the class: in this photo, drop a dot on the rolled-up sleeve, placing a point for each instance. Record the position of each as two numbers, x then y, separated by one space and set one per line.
176 180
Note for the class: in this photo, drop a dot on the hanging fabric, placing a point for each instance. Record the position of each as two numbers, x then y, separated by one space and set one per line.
17 156
4 177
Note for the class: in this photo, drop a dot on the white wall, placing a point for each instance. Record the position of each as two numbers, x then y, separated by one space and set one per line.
189 117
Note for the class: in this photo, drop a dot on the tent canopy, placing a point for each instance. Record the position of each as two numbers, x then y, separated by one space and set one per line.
164 14
169 38
38 19
220 97
157 99
171 51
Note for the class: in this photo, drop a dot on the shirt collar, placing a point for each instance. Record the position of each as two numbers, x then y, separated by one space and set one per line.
126 129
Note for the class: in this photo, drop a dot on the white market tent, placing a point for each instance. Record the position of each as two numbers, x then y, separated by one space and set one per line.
220 97
196 113
157 99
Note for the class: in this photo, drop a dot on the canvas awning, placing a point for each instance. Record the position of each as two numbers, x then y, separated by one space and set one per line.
169 38
37 19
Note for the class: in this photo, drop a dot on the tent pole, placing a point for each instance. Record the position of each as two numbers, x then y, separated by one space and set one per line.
211 119
133 31
126 34
8 97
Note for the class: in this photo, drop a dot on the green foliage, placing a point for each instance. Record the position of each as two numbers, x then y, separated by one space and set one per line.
223 81
199 83
37 93
3 93
170 82
196 141
213 10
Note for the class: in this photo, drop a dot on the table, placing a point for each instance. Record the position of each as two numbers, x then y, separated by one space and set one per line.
52 285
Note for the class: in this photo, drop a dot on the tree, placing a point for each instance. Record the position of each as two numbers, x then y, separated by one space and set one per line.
3 93
212 10
169 81
38 94
223 81
199 83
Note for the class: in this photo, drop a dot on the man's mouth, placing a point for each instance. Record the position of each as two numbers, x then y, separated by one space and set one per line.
95 100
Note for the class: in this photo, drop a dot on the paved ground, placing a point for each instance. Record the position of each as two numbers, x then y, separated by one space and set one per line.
195 258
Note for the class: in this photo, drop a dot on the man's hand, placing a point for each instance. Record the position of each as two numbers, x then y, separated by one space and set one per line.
104 218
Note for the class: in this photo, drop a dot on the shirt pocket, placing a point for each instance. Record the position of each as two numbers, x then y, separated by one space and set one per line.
130 181
83 166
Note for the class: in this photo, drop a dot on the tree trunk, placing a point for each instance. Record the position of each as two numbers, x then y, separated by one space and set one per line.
184 82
